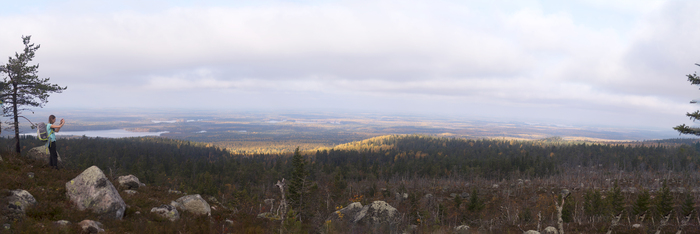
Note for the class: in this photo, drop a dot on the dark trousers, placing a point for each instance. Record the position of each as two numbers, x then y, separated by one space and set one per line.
53 158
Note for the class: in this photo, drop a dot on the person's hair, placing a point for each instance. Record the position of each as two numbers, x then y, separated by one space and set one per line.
51 117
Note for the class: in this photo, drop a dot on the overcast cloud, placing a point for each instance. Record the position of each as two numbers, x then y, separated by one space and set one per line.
580 62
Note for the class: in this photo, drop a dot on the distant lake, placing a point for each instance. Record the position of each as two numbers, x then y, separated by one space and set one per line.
113 133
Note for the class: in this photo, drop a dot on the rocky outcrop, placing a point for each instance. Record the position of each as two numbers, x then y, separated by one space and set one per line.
376 213
379 212
194 204
18 202
129 182
89 226
40 153
167 211
93 191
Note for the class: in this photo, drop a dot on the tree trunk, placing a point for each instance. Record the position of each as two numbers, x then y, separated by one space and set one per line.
14 112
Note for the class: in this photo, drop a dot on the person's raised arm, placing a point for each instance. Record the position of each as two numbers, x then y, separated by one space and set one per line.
57 128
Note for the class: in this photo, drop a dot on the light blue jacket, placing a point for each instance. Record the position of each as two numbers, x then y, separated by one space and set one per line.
51 132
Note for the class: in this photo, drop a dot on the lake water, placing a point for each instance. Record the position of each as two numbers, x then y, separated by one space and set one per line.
113 133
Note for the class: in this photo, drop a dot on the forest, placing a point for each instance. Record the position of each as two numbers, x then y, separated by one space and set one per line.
496 186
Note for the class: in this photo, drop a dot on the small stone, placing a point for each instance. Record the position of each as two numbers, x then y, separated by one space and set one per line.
462 229
90 226
130 192
62 222
137 212
229 222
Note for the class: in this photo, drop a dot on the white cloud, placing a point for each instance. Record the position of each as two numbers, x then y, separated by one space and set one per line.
499 53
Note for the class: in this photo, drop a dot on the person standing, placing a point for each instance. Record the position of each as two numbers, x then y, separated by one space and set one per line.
52 129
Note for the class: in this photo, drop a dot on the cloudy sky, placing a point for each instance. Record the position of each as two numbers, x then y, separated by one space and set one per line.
586 62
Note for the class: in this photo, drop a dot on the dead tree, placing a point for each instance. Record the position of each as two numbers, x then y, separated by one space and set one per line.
664 222
283 202
615 221
560 221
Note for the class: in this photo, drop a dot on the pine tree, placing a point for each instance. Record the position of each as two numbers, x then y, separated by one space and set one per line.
23 87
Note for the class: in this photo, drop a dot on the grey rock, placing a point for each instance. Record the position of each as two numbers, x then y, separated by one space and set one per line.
531 232
90 226
194 204
462 229
636 226
19 201
229 222
166 211
130 192
93 191
129 182
40 153
376 213
550 230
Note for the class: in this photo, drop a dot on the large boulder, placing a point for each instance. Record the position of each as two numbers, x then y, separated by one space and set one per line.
550 230
18 202
376 213
40 153
346 213
129 182
93 191
194 204
167 211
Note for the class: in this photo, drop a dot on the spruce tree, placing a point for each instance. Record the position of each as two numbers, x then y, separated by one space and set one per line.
688 205
664 200
616 200
641 205
297 188
684 129
475 204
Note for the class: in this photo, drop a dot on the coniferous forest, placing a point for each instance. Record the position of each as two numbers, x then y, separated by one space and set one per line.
497 186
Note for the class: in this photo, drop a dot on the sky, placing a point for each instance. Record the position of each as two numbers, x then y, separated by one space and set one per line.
581 62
